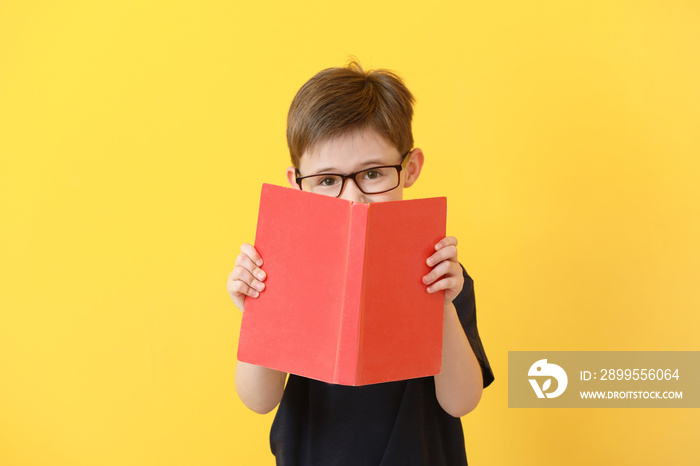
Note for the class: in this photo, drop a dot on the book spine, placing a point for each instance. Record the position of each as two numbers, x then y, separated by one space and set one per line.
350 332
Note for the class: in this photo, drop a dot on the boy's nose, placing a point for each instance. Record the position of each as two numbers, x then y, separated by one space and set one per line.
352 193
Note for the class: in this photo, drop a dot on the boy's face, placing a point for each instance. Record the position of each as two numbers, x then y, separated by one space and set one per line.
352 153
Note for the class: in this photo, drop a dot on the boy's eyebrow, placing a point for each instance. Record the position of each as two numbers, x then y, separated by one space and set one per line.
367 163
325 170
374 162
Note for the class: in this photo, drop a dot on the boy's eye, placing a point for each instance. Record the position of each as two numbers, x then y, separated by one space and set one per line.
373 174
327 181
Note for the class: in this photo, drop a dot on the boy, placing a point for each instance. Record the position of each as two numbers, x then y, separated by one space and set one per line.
349 136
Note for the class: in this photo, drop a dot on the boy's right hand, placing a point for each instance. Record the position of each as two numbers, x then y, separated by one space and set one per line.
246 278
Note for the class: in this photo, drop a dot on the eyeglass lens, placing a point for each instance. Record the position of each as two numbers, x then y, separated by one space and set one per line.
370 181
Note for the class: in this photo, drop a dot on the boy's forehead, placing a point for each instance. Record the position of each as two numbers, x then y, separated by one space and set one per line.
359 148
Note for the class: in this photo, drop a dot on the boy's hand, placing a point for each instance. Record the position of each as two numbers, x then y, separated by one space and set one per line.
447 273
246 278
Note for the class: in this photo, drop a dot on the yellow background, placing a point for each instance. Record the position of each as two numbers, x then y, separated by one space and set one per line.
134 137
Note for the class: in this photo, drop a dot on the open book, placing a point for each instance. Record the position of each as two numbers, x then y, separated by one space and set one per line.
344 300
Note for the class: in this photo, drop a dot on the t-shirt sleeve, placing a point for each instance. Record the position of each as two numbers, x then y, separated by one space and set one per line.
466 311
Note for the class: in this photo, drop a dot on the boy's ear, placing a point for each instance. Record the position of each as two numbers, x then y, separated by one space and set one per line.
292 177
415 165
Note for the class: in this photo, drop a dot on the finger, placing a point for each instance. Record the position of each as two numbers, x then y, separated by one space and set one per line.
446 268
251 252
446 241
444 284
448 253
240 288
244 275
247 263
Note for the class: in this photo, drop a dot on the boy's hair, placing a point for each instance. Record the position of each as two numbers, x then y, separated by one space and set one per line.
339 101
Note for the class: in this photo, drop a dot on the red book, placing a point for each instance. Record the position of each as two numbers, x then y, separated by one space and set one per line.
344 300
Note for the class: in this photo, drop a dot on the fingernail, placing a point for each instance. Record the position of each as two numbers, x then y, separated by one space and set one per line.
255 294
261 276
259 262
260 286
429 262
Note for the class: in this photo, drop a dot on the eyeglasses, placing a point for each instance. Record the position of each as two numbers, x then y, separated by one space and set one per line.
373 180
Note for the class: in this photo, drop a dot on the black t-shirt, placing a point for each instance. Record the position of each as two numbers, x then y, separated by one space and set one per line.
387 424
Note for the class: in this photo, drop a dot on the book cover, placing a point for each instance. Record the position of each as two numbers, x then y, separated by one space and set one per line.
344 300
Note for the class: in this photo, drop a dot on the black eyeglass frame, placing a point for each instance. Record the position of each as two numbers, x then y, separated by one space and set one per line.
353 176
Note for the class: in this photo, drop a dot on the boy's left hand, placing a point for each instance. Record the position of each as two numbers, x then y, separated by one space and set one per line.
447 273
